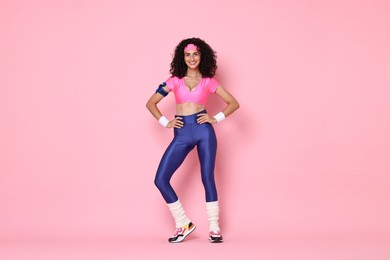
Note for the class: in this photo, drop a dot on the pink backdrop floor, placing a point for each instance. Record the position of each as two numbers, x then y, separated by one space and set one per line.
260 247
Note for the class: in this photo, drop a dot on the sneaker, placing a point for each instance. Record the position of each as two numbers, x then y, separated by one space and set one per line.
215 237
182 233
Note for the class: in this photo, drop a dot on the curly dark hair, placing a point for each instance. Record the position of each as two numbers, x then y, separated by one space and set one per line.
208 60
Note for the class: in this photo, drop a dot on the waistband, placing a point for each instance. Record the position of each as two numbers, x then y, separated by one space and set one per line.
191 118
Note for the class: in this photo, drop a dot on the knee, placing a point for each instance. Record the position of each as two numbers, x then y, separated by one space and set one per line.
160 183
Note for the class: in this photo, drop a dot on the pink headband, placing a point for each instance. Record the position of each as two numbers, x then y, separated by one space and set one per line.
190 47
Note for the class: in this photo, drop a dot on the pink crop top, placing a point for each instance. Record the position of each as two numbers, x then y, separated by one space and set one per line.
198 95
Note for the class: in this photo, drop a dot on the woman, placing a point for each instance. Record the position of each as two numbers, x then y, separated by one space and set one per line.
193 68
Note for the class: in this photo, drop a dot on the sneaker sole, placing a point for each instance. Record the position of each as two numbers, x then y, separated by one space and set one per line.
216 241
180 239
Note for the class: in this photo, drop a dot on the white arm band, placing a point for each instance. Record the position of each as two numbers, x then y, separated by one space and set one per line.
163 121
219 117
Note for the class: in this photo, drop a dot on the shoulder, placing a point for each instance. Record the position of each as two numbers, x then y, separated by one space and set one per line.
172 82
212 83
210 80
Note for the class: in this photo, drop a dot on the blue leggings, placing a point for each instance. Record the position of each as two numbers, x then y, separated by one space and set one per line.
185 139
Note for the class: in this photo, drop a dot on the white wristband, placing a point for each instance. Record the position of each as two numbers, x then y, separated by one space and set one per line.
219 117
163 121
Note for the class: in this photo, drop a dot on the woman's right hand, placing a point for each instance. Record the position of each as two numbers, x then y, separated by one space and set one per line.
176 123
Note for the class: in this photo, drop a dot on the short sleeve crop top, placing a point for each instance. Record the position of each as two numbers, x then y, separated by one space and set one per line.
198 95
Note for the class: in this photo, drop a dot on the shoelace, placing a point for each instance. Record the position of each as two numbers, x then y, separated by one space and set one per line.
178 230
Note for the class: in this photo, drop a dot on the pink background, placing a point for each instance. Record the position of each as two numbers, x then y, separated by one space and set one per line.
306 155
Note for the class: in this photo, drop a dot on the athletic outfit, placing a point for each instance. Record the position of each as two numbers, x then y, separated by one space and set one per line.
185 139
198 95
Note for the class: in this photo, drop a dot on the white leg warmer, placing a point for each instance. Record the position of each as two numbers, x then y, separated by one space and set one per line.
213 215
178 214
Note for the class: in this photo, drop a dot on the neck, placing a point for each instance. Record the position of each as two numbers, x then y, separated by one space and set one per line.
193 73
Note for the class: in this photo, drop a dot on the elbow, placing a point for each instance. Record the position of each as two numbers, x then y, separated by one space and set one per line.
149 105
236 105
233 106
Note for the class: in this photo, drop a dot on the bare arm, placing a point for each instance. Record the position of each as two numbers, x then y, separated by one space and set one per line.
151 105
231 106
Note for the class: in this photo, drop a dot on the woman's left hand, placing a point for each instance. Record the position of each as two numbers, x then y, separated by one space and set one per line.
205 118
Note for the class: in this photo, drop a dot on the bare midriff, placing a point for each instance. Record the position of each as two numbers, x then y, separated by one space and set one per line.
188 108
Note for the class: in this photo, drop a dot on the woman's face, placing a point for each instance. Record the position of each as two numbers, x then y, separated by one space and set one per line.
192 58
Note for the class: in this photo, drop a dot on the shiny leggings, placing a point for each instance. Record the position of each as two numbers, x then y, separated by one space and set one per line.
185 139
